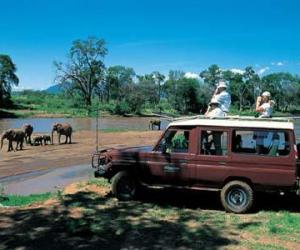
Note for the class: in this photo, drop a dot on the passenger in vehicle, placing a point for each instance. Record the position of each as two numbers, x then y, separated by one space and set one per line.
214 109
273 150
222 97
207 141
237 143
264 105
259 137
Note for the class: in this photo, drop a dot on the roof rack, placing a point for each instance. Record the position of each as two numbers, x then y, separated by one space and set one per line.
238 117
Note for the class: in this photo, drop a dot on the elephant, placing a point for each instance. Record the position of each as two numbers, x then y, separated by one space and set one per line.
11 135
28 129
38 141
46 139
62 129
154 122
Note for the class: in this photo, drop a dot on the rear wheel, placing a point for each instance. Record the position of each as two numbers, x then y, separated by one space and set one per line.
124 186
237 197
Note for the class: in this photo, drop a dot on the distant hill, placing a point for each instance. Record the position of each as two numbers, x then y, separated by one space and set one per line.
55 89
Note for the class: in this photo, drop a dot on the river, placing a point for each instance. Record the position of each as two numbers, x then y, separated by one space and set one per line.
44 125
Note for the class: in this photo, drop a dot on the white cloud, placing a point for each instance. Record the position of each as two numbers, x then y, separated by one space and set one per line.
192 75
237 71
263 70
278 63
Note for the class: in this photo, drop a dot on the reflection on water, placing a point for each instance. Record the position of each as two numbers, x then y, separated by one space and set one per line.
42 125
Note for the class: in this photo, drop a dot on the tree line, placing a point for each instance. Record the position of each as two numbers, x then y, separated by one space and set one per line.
85 78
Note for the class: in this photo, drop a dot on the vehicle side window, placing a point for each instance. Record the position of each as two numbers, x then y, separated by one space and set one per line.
175 141
261 142
214 143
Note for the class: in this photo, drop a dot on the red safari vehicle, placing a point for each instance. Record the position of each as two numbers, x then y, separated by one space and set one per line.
236 156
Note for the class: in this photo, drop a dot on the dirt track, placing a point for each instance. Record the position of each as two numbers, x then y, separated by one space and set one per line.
34 158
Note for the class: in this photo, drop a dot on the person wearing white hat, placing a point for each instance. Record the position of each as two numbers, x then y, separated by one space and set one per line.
214 109
264 105
223 97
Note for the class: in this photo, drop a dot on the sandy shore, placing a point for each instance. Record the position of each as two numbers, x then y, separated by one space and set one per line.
34 158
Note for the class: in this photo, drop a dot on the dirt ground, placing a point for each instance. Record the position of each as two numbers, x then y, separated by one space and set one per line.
34 158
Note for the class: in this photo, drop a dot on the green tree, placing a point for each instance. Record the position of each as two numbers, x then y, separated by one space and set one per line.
171 88
8 79
159 78
212 76
284 88
183 93
188 95
119 80
84 69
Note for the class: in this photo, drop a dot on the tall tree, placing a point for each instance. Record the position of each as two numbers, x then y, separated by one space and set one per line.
84 69
159 78
212 76
8 78
118 80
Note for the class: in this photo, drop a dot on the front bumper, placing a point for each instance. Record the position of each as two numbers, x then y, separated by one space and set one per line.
100 172
99 163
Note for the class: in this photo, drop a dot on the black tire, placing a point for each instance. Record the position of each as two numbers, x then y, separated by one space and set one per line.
237 197
124 186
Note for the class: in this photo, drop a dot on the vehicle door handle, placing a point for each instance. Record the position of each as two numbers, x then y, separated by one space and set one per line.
171 169
222 162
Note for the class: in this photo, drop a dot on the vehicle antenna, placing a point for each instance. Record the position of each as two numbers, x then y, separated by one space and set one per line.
97 130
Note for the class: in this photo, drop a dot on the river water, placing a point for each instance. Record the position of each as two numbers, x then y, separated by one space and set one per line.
44 125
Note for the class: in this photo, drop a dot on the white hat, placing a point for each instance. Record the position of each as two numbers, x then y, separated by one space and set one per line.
222 84
214 101
266 93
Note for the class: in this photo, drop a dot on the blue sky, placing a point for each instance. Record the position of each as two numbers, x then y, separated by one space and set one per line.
152 35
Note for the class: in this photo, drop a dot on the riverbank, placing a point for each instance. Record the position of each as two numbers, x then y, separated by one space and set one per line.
37 158
85 215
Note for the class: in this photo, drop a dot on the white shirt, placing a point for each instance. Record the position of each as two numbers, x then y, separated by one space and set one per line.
268 110
217 112
224 99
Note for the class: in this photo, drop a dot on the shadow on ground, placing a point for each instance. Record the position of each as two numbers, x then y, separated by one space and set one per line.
105 223
160 220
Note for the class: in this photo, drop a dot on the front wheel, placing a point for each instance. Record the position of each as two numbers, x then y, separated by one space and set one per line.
124 186
237 197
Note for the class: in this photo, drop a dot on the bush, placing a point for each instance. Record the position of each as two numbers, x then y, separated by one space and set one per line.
122 108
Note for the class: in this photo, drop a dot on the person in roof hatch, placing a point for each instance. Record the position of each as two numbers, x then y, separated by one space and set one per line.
222 97
214 109
264 105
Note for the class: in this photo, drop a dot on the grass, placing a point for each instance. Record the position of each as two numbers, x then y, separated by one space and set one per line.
20 200
159 219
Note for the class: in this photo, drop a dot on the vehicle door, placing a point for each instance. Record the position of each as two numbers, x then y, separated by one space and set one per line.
170 161
212 156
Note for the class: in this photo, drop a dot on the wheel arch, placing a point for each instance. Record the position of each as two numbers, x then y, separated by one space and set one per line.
238 178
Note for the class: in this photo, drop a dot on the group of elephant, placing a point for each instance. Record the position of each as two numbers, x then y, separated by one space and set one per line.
19 135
